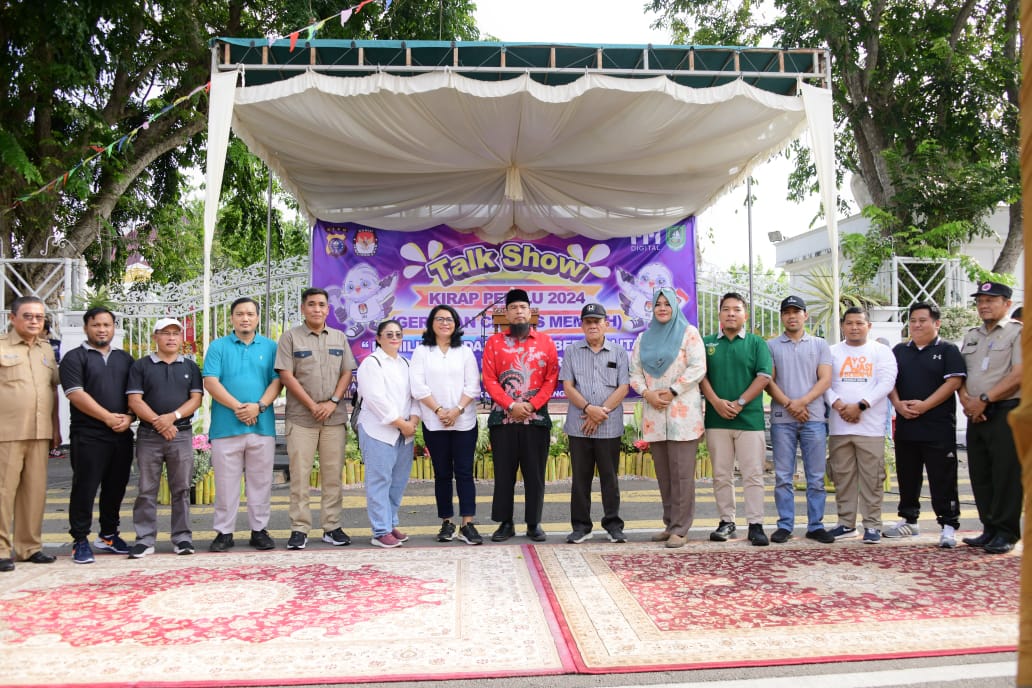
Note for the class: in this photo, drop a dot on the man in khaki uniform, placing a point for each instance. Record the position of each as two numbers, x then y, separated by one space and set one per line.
991 390
28 383
315 364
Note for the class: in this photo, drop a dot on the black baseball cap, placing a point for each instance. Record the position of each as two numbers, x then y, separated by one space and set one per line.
994 289
793 302
593 310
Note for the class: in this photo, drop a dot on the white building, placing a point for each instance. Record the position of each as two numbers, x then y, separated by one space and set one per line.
802 254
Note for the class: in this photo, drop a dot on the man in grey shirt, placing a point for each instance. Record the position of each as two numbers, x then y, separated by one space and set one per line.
595 380
798 418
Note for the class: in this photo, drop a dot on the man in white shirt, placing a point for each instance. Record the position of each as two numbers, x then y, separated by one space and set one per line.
863 374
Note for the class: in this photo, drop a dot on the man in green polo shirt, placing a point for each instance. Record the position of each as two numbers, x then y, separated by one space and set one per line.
738 368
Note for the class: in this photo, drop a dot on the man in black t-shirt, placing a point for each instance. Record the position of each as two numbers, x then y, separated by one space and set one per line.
94 378
930 371
164 390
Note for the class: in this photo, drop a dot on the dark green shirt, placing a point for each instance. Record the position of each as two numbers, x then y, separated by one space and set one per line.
731 366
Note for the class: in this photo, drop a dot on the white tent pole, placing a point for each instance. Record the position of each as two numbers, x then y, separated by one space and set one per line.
220 115
820 118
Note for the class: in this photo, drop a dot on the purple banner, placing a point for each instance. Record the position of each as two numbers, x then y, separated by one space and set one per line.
372 274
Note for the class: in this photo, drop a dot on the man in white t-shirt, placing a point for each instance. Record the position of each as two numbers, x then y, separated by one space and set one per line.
863 374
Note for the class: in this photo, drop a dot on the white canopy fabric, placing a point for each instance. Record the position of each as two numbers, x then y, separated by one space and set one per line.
601 157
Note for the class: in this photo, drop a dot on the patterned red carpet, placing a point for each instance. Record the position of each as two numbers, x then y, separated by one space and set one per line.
277 618
642 607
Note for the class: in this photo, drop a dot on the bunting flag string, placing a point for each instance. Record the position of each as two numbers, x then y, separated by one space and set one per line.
62 180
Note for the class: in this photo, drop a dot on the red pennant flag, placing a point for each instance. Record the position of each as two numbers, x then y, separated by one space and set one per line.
293 40
98 149
362 4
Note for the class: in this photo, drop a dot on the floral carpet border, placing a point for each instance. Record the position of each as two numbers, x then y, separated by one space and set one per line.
642 607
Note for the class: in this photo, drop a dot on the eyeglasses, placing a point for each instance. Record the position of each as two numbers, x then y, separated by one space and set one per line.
33 317
444 320
393 335
168 333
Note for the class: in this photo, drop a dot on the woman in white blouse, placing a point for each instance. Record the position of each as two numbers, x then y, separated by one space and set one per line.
445 380
386 427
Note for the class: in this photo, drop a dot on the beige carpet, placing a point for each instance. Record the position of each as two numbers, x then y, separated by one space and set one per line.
277 618
643 607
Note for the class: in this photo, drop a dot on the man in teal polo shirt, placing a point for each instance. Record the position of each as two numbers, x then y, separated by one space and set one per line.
240 377
738 368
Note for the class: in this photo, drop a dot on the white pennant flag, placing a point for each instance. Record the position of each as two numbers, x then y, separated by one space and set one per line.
344 16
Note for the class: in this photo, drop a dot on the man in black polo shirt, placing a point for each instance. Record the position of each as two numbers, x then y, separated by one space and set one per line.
930 371
94 378
164 390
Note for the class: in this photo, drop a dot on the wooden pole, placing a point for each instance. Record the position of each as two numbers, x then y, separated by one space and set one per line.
1020 419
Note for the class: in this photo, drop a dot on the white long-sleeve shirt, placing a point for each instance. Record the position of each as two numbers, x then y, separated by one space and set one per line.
383 384
866 372
447 377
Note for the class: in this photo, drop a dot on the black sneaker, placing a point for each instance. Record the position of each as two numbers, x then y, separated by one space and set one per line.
260 540
725 530
468 534
336 537
447 532
617 535
781 535
756 535
821 535
298 540
184 547
140 550
577 537
221 543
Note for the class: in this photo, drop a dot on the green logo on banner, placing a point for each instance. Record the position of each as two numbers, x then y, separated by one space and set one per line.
676 236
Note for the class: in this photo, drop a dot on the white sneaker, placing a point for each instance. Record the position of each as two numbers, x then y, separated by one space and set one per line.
902 529
948 539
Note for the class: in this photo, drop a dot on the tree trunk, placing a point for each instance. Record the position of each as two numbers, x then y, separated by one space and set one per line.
1007 261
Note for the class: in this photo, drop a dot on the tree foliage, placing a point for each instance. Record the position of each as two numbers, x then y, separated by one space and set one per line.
83 74
926 98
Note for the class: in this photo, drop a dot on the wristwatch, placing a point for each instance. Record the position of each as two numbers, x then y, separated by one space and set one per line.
178 415
262 407
742 402
984 397
335 399
862 405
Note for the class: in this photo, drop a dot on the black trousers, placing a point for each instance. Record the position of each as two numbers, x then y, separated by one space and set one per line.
940 460
102 463
587 453
996 473
523 447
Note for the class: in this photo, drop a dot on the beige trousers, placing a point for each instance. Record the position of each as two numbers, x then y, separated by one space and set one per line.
302 444
857 467
747 447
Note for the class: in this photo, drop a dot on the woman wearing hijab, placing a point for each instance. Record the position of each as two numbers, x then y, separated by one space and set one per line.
667 364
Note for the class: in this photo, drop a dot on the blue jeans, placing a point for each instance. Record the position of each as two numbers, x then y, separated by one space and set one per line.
387 470
811 437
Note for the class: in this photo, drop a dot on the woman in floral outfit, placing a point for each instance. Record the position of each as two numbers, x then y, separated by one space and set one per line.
667 364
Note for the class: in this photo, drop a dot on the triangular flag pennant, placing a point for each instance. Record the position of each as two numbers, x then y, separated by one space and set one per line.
388 5
271 40
98 149
311 31
344 16
293 40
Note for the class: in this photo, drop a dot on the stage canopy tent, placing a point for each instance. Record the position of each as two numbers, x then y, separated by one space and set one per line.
506 139
511 139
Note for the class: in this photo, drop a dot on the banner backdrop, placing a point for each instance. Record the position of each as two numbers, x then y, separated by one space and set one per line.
372 274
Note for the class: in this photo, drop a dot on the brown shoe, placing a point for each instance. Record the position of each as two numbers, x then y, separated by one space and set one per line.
675 541
661 536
